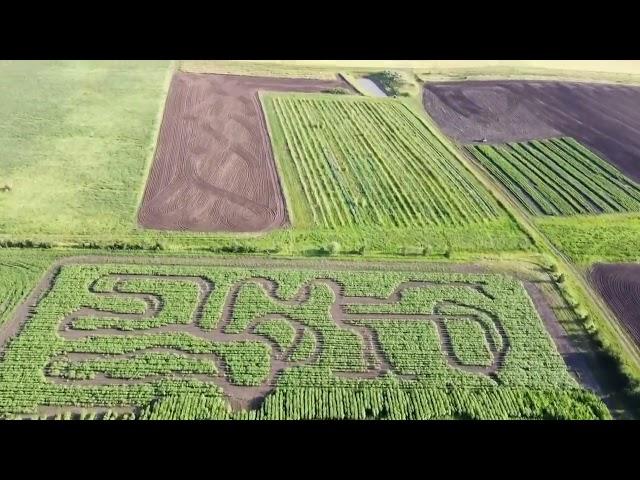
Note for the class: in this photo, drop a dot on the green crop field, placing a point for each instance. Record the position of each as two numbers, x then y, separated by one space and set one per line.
586 239
558 176
75 141
354 164
180 341
372 162
18 274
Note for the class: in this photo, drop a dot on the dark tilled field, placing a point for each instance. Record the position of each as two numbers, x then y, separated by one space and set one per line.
605 118
619 284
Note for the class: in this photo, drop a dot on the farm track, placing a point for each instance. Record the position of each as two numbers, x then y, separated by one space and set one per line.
605 118
214 168
377 364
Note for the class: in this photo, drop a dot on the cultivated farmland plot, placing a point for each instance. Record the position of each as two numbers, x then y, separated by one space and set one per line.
359 162
558 176
213 169
180 341
604 118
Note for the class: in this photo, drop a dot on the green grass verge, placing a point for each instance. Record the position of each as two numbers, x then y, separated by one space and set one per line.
589 239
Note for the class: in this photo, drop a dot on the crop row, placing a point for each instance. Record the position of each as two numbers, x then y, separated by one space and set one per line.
372 162
139 366
558 176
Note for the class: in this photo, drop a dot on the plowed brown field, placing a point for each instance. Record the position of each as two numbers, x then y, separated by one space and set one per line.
619 284
214 168
606 118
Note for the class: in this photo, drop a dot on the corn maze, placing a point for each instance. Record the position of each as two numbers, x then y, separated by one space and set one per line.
201 342
360 162
558 176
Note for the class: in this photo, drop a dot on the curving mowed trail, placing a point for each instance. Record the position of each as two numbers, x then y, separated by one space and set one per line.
619 285
214 169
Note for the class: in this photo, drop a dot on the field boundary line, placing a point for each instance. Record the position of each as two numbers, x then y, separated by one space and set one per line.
157 126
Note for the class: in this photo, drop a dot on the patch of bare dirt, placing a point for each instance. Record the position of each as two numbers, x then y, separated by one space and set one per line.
605 118
214 168
619 285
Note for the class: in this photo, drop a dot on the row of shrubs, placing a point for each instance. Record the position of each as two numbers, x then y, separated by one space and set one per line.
24 244
331 249
334 248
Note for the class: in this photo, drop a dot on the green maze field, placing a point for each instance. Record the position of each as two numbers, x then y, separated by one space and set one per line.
159 341
559 176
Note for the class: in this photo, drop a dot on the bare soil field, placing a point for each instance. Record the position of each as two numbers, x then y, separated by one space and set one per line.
214 168
619 285
605 118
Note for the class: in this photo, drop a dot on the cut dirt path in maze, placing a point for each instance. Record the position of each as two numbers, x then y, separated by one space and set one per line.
605 118
214 168
243 397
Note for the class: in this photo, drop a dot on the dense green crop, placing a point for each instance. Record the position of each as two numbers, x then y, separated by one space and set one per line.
558 176
468 342
373 162
326 344
278 330
141 366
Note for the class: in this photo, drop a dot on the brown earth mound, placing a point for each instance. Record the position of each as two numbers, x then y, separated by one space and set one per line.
214 168
619 285
605 118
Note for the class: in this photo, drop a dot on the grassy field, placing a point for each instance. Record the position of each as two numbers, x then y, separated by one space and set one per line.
558 177
602 238
330 371
75 142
